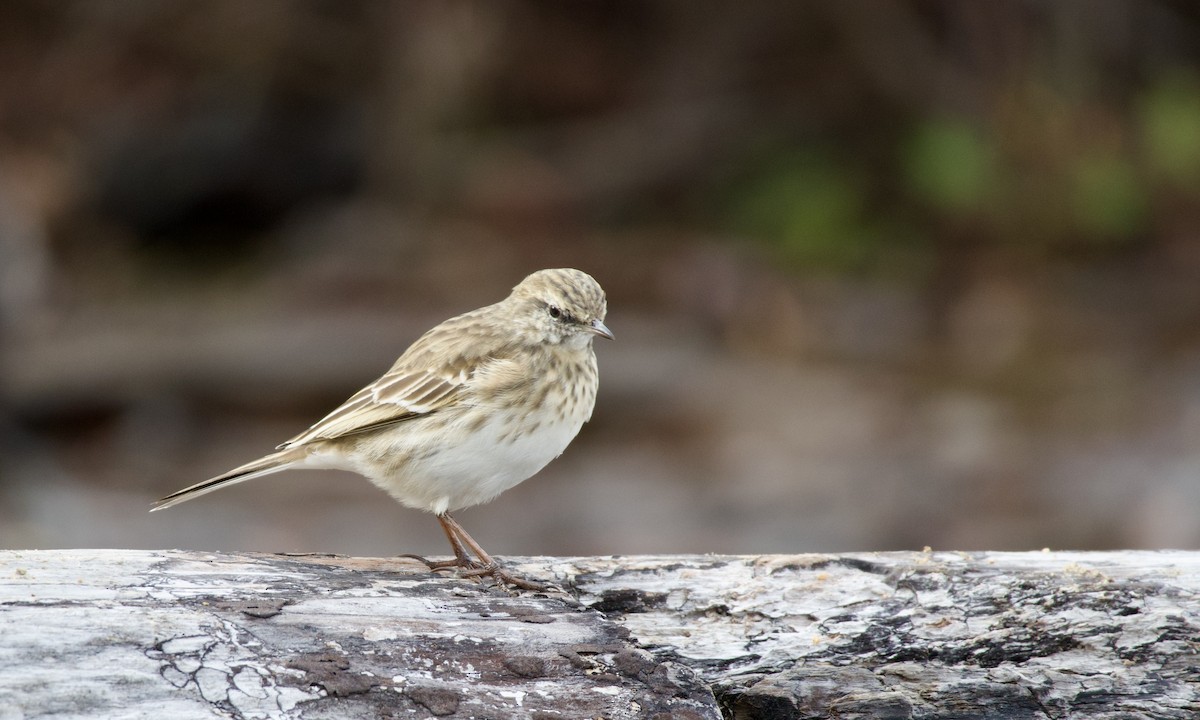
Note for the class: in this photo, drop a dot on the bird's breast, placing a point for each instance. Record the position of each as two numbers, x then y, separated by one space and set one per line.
499 437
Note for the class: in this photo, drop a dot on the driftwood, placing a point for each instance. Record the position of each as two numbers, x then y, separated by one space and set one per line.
172 634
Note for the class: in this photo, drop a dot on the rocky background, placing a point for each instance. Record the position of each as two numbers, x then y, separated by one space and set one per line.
882 275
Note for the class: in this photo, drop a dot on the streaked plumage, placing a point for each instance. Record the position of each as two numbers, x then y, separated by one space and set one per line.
476 405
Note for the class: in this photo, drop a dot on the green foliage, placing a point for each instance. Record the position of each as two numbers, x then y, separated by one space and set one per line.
1027 184
1107 197
1170 127
1038 175
810 208
950 164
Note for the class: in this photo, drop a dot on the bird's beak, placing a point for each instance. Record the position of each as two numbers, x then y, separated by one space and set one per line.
598 328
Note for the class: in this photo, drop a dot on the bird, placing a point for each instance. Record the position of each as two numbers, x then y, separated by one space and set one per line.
478 404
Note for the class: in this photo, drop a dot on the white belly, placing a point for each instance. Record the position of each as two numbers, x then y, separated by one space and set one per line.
443 476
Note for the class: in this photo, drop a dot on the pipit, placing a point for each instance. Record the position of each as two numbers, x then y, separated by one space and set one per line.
476 405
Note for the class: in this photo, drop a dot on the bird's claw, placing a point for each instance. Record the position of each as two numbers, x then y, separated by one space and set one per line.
437 565
494 571
473 569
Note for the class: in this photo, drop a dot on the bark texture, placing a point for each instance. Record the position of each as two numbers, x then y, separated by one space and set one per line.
133 634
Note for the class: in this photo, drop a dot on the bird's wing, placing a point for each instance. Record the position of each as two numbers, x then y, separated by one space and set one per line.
432 374
393 398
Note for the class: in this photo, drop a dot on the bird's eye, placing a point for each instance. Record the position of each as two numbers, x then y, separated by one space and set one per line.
555 312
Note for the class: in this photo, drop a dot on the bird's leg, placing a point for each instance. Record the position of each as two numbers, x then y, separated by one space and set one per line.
486 566
489 568
461 558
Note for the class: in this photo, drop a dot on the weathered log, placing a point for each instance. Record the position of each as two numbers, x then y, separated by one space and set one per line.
173 634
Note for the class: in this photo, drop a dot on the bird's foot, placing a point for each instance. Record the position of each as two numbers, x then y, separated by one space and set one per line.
500 575
439 565
467 567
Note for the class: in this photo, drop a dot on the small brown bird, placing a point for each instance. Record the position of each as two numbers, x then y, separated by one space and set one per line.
476 405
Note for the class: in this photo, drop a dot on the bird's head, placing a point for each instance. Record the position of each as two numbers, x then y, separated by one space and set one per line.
562 307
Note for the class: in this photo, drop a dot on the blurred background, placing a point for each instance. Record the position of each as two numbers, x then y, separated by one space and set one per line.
882 275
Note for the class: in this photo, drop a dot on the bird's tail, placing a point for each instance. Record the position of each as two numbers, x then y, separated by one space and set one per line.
272 463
